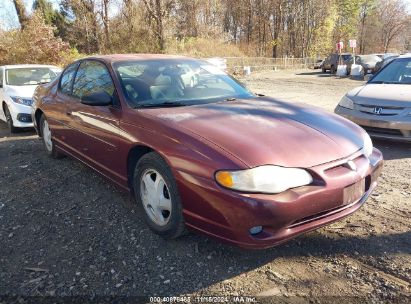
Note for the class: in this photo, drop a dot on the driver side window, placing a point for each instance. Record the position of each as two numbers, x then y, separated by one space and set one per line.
92 77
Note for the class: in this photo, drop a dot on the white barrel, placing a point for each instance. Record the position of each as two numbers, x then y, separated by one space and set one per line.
341 70
356 70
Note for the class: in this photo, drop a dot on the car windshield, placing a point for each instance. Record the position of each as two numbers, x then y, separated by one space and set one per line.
397 72
176 82
29 76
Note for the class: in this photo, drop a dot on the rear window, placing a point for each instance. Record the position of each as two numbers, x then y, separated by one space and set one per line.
346 57
370 58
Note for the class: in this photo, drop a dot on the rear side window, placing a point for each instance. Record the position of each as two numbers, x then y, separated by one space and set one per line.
66 81
92 77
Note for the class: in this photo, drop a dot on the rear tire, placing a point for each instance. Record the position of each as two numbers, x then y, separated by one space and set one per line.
161 204
46 135
9 120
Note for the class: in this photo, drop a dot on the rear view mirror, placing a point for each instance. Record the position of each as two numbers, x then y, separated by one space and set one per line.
100 98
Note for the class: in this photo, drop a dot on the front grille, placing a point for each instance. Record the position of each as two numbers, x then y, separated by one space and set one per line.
379 110
320 215
382 131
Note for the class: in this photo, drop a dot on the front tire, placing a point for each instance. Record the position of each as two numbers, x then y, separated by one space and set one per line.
46 135
9 120
155 189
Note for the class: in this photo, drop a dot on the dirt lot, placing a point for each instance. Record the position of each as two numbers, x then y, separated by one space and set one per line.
65 230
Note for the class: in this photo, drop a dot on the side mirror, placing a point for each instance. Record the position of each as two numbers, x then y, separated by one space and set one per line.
368 77
100 98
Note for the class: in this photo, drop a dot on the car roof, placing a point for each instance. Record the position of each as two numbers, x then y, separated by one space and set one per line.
22 66
133 57
407 55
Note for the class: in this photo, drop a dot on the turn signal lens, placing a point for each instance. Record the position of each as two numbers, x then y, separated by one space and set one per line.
224 178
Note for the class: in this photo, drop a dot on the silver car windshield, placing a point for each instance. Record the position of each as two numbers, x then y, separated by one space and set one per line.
397 72
29 76
176 81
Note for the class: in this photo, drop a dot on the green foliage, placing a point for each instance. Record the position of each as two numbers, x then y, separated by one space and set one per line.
347 21
51 16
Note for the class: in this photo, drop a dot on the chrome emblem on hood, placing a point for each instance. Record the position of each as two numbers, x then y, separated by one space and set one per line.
377 111
350 165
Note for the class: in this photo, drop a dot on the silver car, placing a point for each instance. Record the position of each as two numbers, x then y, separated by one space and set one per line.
383 105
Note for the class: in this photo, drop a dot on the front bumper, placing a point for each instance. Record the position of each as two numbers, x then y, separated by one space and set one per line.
21 115
229 215
395 127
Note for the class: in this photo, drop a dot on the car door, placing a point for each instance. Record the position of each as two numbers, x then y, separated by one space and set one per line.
2 97
55 106
95 128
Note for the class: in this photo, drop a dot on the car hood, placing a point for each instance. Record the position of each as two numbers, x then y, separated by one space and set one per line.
20 91
267 131
396 95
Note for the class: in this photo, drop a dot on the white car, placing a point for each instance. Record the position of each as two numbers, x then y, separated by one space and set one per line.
17 85
221 63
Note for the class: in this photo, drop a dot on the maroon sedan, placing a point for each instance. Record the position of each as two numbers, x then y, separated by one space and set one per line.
199 151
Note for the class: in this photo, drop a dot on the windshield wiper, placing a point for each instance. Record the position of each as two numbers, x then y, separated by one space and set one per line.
161 104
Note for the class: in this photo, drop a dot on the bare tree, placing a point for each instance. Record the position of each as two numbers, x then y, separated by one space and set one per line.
393 19
158 11
21 12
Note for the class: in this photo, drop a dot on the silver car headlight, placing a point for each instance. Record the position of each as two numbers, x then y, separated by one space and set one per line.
22 101
346 102
368 146
264 179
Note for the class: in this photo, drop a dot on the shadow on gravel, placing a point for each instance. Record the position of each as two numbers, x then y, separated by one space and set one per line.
315 73
4 131
393 150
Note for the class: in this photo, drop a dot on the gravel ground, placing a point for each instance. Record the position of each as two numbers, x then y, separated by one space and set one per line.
66 231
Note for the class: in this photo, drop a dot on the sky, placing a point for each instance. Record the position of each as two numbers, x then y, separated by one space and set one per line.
8 17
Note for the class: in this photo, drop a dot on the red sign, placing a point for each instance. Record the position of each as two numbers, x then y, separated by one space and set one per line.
340 45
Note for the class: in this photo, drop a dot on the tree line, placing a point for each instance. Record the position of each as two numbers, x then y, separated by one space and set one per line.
270 28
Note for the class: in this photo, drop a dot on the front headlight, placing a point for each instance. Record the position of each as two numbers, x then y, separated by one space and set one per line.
368 146
346 102
264 179
22 101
